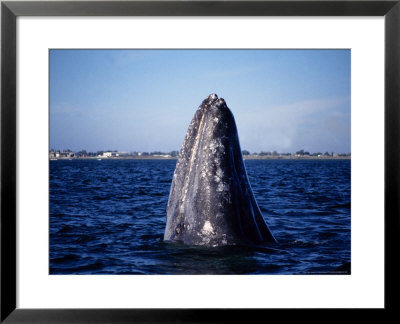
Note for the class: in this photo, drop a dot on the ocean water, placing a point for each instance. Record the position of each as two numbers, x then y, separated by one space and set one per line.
108 217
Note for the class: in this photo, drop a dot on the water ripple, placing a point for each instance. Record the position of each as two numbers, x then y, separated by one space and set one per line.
108 217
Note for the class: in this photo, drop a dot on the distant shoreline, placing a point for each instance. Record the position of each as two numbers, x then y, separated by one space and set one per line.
245 157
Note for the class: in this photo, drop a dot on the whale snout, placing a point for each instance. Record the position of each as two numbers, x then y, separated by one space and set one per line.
209 102
214 100
217 116
220 103
218 108
212 97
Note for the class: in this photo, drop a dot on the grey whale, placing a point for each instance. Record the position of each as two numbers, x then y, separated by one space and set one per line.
211 202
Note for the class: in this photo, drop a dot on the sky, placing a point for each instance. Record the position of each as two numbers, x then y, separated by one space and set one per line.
144 100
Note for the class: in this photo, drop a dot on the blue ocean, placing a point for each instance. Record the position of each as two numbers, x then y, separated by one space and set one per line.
108 217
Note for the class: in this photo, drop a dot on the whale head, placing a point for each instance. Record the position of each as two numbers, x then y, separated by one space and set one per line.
211 202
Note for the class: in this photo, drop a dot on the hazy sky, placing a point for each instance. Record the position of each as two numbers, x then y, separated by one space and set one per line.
143 100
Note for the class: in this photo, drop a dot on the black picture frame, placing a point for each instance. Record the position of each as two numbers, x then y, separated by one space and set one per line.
10 10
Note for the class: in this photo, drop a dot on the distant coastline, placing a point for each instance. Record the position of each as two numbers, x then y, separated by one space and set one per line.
173 155
245 157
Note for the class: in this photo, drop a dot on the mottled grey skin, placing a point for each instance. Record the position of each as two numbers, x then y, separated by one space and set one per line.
211 202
